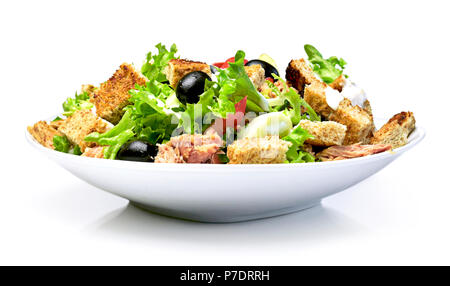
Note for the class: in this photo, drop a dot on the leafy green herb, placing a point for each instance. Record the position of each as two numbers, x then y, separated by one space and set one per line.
61 143
295 154
57 119
327 69
80 101
235 84
155 64
77 150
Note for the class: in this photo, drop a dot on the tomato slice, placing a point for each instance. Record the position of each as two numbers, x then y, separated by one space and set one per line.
224 65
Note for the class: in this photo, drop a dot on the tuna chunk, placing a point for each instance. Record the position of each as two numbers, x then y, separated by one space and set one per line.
335 153
190 149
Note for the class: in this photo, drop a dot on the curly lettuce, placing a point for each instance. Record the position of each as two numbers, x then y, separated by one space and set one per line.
296 102
147 119
295 153
155 63
80 101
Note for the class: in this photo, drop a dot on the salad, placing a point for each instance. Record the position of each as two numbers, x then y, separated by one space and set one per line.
238 111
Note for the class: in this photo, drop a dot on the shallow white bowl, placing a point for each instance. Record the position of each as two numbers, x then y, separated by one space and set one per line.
224 193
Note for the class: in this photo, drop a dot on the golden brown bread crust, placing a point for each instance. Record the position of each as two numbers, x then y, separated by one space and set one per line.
338 83
315 96
326 133
256 74
268 150
56 124
112 96
360 126
89 88
299 74
178 68
396 131
81 124
43 133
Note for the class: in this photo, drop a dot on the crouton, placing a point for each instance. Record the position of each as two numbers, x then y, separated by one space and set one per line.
326 133
268 150
56 124
81 124
299 74
95 152
339 83
178 68
112 96
396 131
315 96
359 123
89 89
43 133
256 75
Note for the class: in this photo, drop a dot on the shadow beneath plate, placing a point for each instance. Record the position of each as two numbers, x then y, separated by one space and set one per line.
313 224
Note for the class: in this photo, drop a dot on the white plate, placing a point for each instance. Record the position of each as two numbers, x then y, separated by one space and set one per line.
224 193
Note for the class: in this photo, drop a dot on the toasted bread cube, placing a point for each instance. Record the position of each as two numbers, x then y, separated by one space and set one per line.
339 83
315 96
268 150
81 124
89 88
112 96
359 123
56 124
326 133
43 133
299 74
256 75
178 68
396 131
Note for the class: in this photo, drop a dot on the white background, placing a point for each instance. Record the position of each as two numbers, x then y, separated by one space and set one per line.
398 51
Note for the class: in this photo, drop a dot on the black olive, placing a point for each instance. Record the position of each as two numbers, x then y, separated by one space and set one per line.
139 151
191 86
268 68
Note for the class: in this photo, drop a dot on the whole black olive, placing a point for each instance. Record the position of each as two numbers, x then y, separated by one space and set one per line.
268 68
191 86
139 151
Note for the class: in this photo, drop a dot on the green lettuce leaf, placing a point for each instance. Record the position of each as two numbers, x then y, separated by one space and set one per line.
147 119
296 102
61 143
295 154
115 137
235 84
155 64
327 69
80 101
154 119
